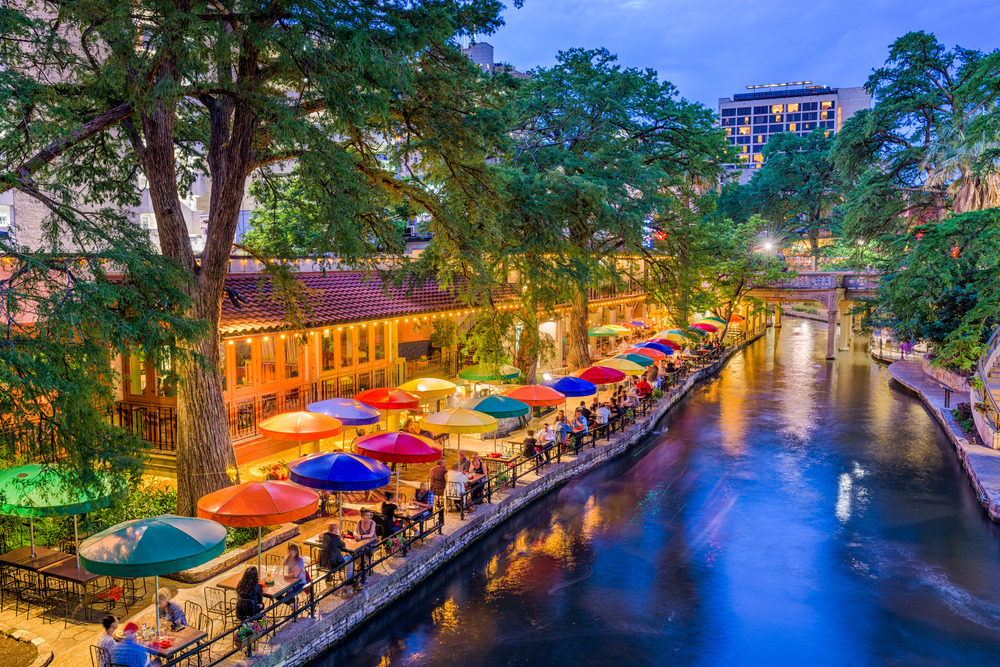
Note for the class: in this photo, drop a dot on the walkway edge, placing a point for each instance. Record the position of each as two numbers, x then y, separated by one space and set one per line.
964 447
329 630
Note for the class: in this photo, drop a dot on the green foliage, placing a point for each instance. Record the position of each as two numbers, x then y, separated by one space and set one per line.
963 415
237 537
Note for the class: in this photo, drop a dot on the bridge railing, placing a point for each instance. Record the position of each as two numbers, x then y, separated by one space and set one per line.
985 394
825 280
860 281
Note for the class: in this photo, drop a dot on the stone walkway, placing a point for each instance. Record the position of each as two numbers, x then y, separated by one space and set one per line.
982 464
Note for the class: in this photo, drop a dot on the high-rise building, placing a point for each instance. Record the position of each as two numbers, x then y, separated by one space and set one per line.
481 53
750 118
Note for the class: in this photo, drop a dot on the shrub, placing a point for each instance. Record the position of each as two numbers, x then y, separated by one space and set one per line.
963 415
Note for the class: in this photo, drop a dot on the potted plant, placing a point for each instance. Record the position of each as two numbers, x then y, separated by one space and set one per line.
248 632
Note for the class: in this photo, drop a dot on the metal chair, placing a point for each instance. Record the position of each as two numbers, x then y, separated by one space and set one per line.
99 657
215 602
193 610
453 494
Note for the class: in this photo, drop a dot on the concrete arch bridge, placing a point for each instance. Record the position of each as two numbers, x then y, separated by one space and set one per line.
836 290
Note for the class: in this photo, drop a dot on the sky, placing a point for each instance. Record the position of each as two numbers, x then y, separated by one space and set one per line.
715 48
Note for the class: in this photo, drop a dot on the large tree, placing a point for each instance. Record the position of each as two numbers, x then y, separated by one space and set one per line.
95 94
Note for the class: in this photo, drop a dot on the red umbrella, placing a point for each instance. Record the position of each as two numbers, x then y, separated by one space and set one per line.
536 395
300 427
704 326
389 398
648 352
600 375
735 319
257 504
672 344
397 447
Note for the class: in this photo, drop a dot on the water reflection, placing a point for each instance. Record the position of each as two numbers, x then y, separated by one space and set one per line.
794 511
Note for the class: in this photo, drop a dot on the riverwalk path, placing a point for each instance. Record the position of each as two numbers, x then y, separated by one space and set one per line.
981 464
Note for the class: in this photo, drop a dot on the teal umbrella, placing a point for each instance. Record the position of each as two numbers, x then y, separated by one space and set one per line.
635 358
42 490
151 547
498 407
486 373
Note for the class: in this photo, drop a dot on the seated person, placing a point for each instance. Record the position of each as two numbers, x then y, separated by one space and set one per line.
106 639
464 462
424 497
128 652
437 475
460 480
249 595
169 611
293 571
580 424
529 445
603 414
642 388
389 507
332 556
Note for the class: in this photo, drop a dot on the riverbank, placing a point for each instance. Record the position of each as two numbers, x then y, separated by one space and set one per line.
308 639
981 464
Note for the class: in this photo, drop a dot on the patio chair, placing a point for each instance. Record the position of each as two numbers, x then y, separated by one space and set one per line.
99 657
192 611
215 603
453 495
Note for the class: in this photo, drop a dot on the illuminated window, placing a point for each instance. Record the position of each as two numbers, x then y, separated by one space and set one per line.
268 360
744 149
6 217
137 373
792 127
760 138
147 220
378 338
823 115
746 120
346 348
758 158
730 131
291 357
165 385
243 361
826 105
363 345
777 108
744 158
792 108
827 133
744 130
328 351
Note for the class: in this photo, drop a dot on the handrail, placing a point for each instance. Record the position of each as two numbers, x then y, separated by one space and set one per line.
984 392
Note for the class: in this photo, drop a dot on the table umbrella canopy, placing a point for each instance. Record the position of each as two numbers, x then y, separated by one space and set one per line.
154 546
347 411
485 373
672 344
301 426
648 352
624 365
459 421
601 332
635 358
398 447
255 504
617 327
536 395
572 386
389 398
704 326
430 387
712 320
42 490
498 406
735 318
339 471
642 324
599 375
655 346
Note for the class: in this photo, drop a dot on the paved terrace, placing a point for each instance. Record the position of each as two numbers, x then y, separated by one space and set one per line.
342 610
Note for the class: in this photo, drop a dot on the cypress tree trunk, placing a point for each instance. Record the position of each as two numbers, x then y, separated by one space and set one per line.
578 354
528 347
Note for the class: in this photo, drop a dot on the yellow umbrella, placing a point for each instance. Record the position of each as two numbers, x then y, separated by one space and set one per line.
429 387
617 327
624 365
459 421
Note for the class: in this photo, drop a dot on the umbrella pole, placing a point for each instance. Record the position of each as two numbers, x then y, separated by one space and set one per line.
76 539
340 509
258 551
31 535
156 601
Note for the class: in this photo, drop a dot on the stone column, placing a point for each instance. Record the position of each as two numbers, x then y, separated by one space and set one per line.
777 315
846 326
831 334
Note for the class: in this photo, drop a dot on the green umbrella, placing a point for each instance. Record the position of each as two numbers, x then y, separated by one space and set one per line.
602 332
716 320
485 373
640 359
41 490
151 547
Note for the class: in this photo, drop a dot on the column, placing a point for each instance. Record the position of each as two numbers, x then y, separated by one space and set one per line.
777 315
846 325
831 334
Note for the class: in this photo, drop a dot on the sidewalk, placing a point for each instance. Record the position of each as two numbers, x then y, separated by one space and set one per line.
982 464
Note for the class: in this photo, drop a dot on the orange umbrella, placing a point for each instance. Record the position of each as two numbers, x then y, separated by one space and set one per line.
258 504
536 395
735 319
656 355
301 426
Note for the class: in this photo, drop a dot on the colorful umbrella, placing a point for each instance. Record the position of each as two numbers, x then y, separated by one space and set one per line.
617 327
704 326
642 324
459 421
599 375
388 398
348 412
301 426
655 355
154 546
636 358
42 490
536 395
498 407
655 346
712 320
672 344
624 365
397 447
735 318
429 387
572 386
486 373
258 504
601 332
339 471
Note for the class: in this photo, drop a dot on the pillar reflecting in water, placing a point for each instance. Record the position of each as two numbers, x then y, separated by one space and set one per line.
797 511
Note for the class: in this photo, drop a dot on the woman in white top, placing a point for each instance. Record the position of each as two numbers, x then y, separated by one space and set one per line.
293 569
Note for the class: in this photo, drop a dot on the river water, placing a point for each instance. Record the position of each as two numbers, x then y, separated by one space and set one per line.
794 511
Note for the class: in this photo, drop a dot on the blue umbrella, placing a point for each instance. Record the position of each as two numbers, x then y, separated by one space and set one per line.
656 346
571 386
348 411
339 471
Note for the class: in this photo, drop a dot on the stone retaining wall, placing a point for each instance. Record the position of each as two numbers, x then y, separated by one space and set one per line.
233 558
947 378
331 629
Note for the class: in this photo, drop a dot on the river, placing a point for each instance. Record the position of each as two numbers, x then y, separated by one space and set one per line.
793 511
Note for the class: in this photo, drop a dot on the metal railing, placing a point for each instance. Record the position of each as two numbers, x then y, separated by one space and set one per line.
983 391
228 643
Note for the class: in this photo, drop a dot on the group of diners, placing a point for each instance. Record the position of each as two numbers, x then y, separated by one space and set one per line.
124 648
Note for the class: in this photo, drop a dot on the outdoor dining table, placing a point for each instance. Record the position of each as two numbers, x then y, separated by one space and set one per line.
351 546
21 558
68 571
275 590
175 640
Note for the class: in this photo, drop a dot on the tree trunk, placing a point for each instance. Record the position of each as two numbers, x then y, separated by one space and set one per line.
578 354
528 348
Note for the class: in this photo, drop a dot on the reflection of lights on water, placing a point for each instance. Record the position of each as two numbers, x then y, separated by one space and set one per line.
849 493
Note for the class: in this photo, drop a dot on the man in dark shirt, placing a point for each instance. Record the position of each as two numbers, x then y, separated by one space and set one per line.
588 415
437 475
389 511
529 445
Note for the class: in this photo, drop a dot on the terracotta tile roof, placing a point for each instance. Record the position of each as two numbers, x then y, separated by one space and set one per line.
330 298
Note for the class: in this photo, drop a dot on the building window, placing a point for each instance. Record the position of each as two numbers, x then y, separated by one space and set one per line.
760 138
346 349
758 148
291 357
137 373
268 360
777 108
744 130
243 361
794 117
729 112
165 384
730 131
823 115
742 111
828 104
744 158
792 127
758 158
792 108
378 338
744 149
222 367
363 345
147 221
760 109
328 351
746 120
810 106
774 129
6 219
